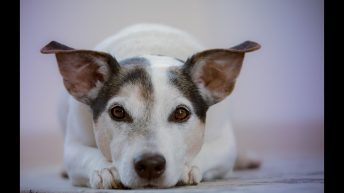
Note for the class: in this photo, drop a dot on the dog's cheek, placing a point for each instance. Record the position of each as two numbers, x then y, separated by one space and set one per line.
103 140
194 140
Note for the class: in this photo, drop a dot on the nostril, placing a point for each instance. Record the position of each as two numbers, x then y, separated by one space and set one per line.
149 166
159 167
140 167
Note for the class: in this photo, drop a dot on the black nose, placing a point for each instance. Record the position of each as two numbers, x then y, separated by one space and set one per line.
149 166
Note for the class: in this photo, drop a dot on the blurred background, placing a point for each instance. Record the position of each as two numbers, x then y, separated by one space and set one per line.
277 104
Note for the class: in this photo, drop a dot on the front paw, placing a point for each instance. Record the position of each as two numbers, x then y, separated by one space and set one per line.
106 178
191 176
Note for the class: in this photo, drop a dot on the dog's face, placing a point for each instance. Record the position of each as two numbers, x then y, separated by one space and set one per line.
149 111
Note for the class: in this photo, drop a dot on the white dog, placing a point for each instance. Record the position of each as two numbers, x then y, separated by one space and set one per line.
139 113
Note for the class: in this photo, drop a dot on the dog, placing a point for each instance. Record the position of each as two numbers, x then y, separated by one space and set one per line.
145 109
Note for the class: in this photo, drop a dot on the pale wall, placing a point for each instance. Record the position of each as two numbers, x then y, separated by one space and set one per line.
283 82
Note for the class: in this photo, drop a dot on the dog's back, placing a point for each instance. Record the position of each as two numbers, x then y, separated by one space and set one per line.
150 39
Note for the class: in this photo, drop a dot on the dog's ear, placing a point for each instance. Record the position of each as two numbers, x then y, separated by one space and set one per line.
215 71
84 71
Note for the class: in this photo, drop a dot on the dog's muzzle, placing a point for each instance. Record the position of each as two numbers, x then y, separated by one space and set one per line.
149 166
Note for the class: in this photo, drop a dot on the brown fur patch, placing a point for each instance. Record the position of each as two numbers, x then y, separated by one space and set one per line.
247 46
54 47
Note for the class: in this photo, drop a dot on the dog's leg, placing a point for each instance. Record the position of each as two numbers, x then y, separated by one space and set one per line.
86 166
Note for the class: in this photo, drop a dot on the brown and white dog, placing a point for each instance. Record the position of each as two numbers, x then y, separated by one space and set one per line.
142 109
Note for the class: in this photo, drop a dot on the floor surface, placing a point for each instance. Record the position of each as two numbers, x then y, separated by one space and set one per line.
283 174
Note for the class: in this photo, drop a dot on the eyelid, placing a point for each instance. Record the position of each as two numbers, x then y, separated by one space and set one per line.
184 106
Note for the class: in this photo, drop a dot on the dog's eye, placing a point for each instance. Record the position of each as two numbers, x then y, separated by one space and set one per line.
181 114
119 114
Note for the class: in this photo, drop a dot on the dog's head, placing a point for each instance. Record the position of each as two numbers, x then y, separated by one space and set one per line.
149 111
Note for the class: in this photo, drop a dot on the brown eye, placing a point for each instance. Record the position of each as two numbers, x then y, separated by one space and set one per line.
118 113
181 114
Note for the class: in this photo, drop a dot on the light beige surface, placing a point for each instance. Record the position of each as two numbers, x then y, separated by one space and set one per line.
277 174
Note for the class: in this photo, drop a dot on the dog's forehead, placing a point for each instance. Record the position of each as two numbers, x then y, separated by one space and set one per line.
151 75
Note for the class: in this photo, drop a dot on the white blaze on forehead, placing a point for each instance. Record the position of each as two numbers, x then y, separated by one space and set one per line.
174 138
166 96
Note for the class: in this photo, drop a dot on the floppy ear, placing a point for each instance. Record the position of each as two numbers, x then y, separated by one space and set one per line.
84 71
215 71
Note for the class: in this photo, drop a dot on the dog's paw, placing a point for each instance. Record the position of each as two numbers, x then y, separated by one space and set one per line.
191 176
106 178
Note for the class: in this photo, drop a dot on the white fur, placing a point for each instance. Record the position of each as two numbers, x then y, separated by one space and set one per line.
145 39
85 163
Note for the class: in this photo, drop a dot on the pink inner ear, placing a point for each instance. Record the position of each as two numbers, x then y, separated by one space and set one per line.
219 78
213 77
216 70
82 79
80 74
